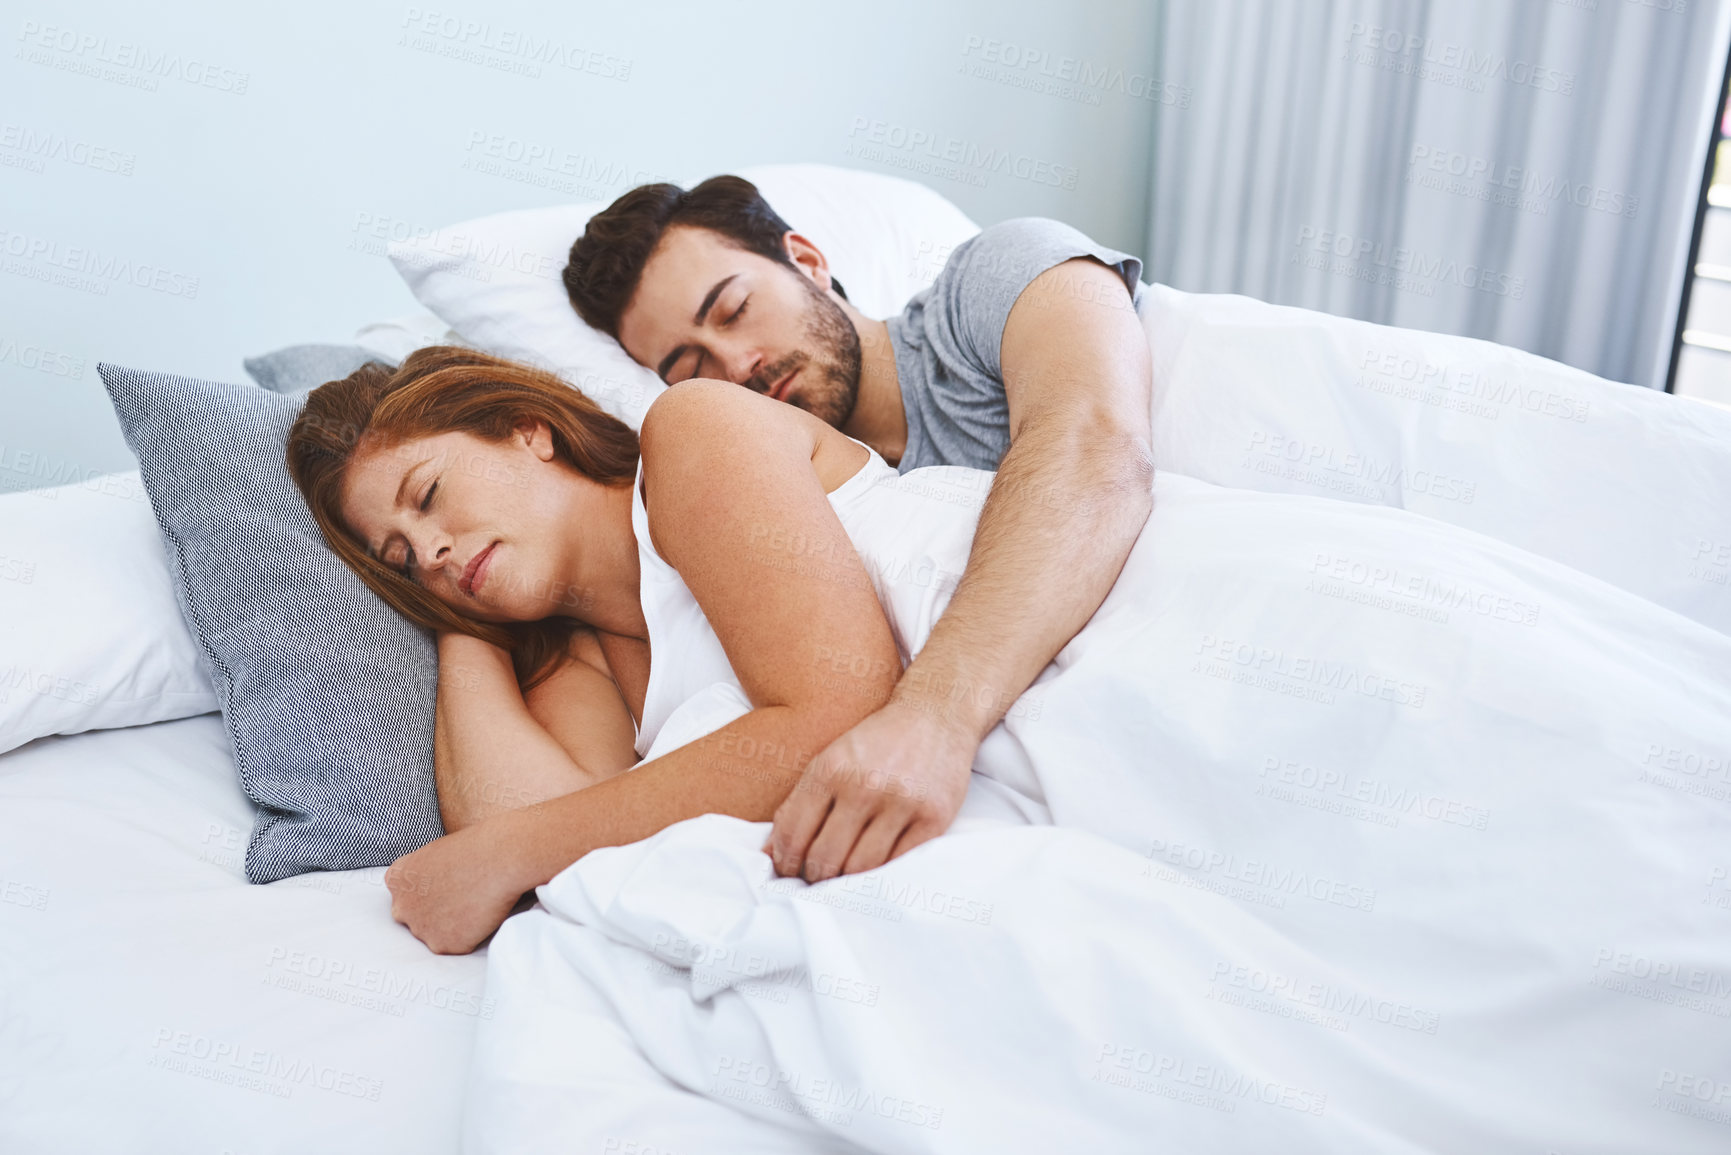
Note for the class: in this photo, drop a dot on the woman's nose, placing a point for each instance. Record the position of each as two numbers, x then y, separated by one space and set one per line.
432 550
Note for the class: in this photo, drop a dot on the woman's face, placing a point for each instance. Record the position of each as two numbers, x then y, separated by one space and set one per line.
486 527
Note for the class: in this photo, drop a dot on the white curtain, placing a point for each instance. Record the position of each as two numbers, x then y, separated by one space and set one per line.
1520 170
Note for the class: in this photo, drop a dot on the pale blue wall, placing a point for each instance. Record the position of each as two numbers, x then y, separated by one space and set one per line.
262 195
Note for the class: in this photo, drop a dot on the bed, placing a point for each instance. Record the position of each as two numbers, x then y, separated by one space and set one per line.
151 999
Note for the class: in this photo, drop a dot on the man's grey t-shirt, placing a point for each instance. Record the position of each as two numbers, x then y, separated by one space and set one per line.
946 341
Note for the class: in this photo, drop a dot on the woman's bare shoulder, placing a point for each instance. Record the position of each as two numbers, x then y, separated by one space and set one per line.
704 423
706 413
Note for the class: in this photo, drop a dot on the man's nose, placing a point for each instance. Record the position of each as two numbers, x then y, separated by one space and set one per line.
741 364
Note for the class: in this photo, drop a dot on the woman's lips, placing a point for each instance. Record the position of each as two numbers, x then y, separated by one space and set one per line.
476 571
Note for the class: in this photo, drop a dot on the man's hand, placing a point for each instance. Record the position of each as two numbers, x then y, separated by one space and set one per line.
892 782
456 890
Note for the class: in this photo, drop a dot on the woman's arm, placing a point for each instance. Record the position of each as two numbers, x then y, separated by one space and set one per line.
495 749
736 490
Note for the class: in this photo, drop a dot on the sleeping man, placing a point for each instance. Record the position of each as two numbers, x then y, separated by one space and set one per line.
1025 356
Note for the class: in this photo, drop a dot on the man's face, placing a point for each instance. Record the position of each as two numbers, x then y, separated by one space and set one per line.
704 308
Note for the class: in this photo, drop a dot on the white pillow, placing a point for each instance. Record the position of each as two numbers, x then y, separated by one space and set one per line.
496 281
1627 484
90 635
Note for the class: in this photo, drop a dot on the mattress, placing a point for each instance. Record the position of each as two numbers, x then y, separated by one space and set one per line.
152 1001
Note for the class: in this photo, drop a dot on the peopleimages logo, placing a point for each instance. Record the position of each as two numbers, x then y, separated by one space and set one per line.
35 147
886 140
1071 77
46 259
1369 260
39 358
1449 62
1352 473
1279 878
219 1060
77 50
554 159
460 38
799 1092
1527 188
1326 997
1136 1068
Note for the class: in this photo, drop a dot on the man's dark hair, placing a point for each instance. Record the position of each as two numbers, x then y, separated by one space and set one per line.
607 260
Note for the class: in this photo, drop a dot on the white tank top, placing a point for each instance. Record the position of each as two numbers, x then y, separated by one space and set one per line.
913 532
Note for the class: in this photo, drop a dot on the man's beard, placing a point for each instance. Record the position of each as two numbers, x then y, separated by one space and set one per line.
831 362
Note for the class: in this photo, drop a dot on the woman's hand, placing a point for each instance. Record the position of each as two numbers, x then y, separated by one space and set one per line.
456 890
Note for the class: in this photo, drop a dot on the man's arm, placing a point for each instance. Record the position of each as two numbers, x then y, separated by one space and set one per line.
1071 494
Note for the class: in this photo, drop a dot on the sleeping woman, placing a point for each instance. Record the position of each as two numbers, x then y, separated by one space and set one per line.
634 631
583 591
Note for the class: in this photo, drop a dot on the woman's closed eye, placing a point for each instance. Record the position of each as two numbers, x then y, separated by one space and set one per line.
408 567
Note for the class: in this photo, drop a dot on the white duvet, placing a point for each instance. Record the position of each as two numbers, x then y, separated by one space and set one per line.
1370 833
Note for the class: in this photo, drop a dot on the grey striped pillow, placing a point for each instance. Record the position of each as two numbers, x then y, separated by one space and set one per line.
296 368
327 691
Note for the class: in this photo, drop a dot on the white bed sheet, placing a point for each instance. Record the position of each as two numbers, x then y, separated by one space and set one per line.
152 1001
1325 878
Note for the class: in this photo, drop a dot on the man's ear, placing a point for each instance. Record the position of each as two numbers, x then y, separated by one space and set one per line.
807 258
